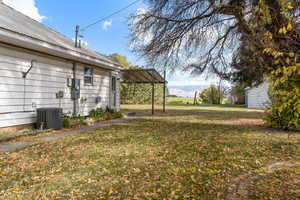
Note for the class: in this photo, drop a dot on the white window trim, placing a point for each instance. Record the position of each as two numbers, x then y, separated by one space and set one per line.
92 77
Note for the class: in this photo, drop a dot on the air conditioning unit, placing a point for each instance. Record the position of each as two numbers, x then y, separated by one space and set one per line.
50 118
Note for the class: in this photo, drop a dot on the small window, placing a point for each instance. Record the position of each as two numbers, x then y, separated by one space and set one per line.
88 76
114 84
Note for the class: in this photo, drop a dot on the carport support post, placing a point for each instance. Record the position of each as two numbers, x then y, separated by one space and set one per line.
153 98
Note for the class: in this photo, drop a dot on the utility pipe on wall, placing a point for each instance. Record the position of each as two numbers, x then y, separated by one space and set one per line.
73 85
24 76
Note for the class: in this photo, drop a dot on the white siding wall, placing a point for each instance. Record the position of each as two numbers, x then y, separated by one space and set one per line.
89 93
258 97
46 78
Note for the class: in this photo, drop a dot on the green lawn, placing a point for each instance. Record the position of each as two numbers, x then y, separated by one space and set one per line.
179 100
190 152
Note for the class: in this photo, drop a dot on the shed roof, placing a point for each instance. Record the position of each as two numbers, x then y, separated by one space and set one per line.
142 76
16 22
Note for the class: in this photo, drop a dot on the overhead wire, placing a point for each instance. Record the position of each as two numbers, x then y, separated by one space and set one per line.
109 16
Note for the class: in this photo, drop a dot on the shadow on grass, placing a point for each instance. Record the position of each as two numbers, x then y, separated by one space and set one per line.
182 138
207 113
144 130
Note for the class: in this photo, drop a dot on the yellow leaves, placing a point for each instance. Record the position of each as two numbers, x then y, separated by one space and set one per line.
286 6
276 62
2 173
297 170
285 112
285 72
286 29
276 182
16 191
282 31
212 172
289 6
111 191
273 52
277 54
267 50
289 27
298 113
292 54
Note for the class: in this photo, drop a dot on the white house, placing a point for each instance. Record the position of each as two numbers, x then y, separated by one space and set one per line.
40 67
258 97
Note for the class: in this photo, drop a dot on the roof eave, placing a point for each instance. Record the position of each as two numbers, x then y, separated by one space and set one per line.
24 41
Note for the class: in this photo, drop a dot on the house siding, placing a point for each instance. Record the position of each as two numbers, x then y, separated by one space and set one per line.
258 97
89 93
49 75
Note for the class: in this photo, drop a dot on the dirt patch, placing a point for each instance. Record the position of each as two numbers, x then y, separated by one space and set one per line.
240 189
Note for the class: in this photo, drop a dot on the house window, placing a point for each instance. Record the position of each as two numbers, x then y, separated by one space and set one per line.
114 84
88 76
114 91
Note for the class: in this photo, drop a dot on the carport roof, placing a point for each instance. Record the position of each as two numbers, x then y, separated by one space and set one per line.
142 76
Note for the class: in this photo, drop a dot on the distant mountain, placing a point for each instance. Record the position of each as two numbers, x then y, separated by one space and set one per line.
186 91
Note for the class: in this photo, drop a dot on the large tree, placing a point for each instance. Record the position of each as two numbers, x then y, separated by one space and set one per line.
236 39
212 95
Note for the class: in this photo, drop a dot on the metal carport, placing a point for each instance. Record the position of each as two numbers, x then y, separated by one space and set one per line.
146 76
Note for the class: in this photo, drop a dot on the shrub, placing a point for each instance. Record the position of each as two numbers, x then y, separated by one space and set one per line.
117 115
108 116
212 95
285 94
109 110
67 122
70 122
97 113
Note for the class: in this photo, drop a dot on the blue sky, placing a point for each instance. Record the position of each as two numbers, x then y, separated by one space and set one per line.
63 16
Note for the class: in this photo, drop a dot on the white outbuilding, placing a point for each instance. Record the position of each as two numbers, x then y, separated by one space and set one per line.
258 97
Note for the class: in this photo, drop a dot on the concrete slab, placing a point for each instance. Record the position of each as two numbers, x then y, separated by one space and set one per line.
14 146
82 130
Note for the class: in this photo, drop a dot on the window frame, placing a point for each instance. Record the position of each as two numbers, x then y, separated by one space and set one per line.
114 91
114 83
88 76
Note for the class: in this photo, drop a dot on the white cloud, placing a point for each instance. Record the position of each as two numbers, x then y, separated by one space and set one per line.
106 24
26 7
181 92
141 11
180 78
